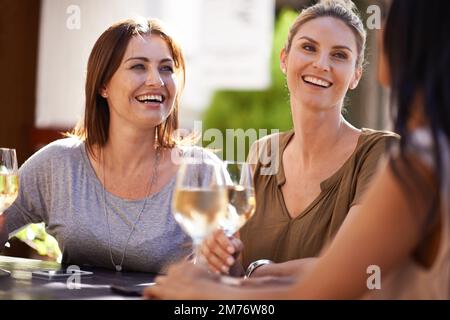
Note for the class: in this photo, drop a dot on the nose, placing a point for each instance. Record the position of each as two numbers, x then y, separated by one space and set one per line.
154 79
322 62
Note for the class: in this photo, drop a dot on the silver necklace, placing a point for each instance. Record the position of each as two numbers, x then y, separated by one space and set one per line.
118 267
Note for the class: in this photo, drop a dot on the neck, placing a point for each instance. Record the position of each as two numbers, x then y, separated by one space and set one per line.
316 132
127 151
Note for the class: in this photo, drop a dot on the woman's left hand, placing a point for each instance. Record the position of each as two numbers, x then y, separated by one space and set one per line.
184 281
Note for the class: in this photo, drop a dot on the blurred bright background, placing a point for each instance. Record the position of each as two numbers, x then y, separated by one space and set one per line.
233 76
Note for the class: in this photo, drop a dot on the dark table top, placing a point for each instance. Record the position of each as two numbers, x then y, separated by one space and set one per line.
21 285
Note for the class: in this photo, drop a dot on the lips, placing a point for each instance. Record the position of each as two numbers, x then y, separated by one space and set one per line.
319 82
150 98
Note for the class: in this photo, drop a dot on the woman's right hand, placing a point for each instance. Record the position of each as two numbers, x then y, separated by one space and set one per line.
221 251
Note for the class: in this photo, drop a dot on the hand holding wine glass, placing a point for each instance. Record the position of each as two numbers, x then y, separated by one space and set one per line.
241 207
222 248
9 182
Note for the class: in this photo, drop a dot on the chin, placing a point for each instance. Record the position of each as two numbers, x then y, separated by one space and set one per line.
315 103
148 122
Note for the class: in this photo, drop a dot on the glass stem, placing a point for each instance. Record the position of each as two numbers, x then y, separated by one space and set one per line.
197 257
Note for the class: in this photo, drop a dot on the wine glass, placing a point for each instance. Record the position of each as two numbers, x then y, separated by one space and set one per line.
200 198
241 196
241 203
9 182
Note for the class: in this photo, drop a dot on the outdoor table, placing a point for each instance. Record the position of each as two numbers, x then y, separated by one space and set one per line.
20 284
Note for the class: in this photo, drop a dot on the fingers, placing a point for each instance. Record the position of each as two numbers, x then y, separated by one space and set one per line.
149 293
155 291
218 250
187 271
183 281
237 244
181 268
165 289
224 242
216 264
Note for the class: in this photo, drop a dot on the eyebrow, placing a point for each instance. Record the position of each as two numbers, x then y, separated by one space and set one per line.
147 60
334 47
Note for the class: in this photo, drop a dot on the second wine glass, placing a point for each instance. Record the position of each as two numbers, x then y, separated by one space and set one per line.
241 196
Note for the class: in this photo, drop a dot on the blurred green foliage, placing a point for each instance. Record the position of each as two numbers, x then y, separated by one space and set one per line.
35 236
266 109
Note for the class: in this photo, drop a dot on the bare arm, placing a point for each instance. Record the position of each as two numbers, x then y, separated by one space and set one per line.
297 267
383 231
188 281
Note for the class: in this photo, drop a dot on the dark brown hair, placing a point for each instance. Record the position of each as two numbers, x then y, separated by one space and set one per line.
343 10
417 49
104 60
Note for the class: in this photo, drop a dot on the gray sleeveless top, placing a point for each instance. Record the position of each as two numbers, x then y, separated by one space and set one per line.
58 186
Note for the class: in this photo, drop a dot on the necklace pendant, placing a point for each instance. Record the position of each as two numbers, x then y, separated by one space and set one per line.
118 268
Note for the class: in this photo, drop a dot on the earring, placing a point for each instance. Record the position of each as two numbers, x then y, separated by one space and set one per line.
104 95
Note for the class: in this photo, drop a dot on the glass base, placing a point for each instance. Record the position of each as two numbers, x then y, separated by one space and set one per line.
4 273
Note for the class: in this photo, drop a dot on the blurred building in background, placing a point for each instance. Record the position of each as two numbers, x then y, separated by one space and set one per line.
228 45
219 38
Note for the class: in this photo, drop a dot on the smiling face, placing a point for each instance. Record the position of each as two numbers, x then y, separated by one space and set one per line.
321 64
142 91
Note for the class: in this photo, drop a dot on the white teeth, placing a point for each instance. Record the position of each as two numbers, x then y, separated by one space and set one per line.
318 82
145 97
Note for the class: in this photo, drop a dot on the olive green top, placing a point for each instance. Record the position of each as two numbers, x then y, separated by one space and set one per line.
272 234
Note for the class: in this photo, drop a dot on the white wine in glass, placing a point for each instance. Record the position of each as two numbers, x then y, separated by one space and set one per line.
9 178
9 182
197 210
200 198
9 189
241 196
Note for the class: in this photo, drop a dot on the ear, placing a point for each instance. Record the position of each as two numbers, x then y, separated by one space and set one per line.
283 57
103 92
356 77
